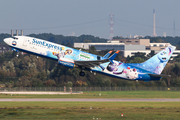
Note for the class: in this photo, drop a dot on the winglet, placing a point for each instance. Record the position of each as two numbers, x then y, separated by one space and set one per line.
108 54
110 51
117 51
114 55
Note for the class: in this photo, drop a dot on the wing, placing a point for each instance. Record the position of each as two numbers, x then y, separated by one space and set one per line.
94 63
89 64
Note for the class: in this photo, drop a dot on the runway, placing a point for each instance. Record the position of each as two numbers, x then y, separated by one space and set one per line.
86 100
38 93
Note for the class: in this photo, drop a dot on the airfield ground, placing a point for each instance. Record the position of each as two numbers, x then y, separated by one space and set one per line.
102 94
39 93
90 110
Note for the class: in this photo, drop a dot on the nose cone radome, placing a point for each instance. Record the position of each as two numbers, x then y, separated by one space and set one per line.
8 41
5 40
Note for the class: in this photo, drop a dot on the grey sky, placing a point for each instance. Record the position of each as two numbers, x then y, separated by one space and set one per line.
90 17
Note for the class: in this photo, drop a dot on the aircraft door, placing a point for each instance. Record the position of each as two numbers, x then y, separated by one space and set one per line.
25 42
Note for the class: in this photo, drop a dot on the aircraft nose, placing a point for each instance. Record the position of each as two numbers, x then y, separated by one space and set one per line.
7 40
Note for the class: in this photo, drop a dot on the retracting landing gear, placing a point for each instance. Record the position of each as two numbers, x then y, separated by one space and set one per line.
82 73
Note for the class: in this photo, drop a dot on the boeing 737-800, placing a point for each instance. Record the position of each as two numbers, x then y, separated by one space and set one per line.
69 57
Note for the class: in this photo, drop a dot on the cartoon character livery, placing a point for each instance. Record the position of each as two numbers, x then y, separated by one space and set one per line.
129 73
69 57
157 63
163 59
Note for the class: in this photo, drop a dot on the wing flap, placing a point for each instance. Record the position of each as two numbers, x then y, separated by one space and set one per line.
92 63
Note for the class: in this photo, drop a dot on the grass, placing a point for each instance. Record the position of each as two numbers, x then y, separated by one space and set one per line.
82 111
103 110
106 94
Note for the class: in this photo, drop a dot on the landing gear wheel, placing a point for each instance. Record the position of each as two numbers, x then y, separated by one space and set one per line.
82 73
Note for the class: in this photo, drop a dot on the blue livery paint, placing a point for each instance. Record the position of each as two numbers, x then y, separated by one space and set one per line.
67 64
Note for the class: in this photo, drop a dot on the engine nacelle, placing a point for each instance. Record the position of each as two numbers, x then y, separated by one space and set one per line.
69 64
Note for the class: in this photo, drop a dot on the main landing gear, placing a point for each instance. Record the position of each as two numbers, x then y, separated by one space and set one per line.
82 73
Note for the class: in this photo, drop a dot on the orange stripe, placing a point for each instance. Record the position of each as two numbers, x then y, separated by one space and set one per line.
110 51
117 51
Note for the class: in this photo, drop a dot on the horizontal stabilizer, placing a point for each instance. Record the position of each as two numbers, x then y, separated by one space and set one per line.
108 54
114 55
111 61
161 75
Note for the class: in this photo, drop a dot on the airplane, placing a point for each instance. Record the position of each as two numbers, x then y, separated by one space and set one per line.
147 71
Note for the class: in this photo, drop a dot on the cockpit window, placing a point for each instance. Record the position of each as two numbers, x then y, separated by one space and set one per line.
15 38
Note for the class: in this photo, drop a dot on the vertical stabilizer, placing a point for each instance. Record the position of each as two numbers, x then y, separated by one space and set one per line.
157 63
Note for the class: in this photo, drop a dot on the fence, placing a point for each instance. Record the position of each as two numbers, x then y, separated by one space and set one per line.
75 89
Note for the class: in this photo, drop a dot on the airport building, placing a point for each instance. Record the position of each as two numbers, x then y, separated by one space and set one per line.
128 46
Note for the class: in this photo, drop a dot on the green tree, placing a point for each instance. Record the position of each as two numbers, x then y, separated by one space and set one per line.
152 53
92 49
137 60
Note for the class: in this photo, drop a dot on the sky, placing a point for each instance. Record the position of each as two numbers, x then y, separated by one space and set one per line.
90 17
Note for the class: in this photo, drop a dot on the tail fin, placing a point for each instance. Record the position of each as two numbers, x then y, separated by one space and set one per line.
157 63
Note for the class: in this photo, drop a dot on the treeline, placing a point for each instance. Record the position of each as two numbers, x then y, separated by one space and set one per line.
173 40
29 71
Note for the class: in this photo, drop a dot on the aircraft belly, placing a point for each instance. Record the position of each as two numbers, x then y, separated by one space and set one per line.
123 71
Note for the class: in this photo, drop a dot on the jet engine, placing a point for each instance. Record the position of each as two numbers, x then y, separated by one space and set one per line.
67 63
